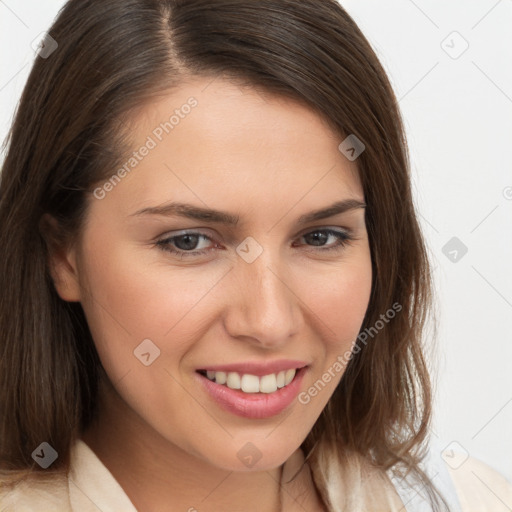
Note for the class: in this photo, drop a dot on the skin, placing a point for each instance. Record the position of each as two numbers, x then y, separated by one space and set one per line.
268 160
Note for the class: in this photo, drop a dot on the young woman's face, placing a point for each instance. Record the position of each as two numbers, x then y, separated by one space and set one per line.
205 255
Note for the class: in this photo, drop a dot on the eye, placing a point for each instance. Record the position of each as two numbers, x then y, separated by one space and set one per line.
190 244
185 244
320 238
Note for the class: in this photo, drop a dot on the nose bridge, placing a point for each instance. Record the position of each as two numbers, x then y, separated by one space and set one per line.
266 309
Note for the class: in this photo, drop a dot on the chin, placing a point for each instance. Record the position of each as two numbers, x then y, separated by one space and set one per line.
253 453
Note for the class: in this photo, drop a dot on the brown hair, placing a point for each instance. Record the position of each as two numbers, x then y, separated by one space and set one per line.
112 56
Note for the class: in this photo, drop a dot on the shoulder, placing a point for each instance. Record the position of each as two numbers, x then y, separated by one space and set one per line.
35 494
479 487
87 486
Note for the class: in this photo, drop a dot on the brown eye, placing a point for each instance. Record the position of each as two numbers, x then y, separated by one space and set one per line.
320 238
184 244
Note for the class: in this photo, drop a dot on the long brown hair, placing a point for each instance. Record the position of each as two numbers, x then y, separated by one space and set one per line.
68 134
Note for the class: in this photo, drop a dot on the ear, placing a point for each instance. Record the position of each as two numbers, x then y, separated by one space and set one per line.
62 260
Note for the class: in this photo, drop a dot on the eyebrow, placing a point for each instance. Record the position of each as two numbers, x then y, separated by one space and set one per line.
220 217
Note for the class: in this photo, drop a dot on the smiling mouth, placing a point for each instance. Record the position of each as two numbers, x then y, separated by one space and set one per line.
251 384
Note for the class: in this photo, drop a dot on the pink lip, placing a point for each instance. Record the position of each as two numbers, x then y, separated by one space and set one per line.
258 369
253 405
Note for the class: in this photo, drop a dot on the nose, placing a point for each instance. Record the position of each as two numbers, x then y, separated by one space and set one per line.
263 307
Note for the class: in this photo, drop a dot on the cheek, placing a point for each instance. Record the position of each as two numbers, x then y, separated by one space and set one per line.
132 301
134 311
353 298
340 298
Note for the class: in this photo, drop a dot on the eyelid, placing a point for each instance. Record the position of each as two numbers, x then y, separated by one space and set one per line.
231 239
186 231
321 227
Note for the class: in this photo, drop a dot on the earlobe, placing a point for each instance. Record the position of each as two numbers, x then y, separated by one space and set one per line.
62 261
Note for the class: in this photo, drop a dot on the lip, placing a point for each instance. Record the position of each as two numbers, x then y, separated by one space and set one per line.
253 405
256 368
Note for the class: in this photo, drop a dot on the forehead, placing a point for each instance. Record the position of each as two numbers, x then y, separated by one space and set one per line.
216 141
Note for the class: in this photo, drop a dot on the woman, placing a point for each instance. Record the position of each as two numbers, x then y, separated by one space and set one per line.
214 280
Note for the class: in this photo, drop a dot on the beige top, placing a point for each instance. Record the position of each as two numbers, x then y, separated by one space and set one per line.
90 487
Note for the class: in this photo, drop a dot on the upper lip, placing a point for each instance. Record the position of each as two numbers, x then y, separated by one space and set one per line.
256 368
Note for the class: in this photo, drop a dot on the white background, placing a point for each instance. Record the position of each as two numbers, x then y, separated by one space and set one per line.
458 117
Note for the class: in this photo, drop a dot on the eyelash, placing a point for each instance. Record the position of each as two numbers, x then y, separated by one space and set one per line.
343 239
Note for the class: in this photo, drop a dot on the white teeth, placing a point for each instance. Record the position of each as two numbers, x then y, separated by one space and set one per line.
233 381
289 376
268 383
251 383
220 377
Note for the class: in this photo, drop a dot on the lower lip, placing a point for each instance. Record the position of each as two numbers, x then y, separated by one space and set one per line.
253 405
